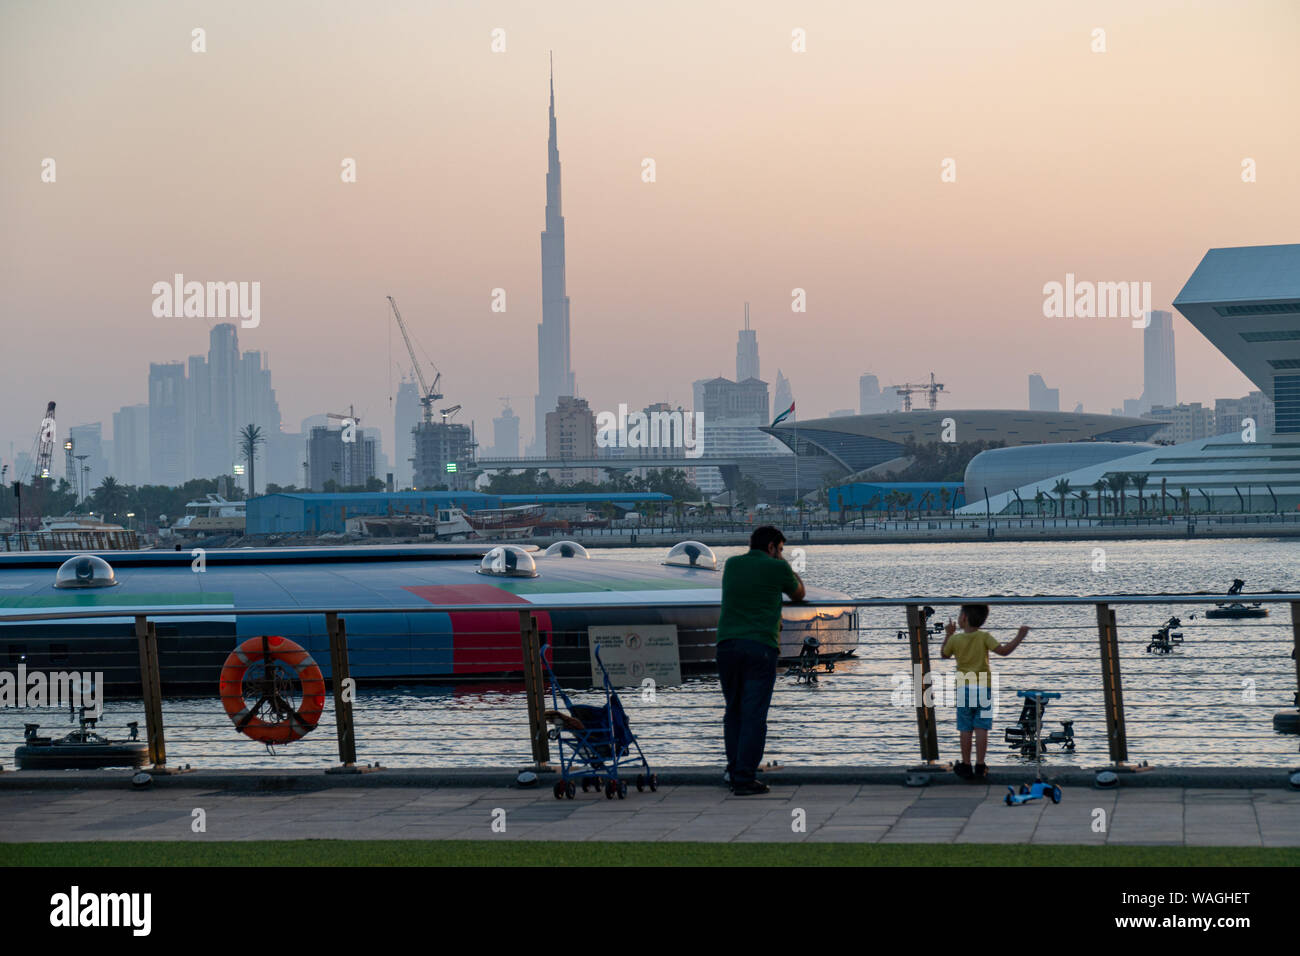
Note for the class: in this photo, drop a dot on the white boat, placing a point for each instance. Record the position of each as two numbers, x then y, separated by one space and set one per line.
213 515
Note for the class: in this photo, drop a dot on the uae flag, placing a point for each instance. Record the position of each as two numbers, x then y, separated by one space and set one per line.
783 416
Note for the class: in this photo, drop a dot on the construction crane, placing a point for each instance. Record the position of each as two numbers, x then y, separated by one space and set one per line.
45 445
449 412
932 390
351 415
428 393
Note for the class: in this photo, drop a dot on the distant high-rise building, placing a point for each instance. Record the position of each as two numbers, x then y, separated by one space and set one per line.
505 434
330 458
406 415
555 377
870 401
742 402
1186 422
747 352
89 441
1042 398
1158 382
571 433
131 445
1230 414
168 424
782 397
444 454
219 444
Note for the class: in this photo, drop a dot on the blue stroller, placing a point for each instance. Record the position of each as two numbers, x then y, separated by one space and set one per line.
594 742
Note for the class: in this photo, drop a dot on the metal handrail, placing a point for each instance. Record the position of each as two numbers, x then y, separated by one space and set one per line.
1198 597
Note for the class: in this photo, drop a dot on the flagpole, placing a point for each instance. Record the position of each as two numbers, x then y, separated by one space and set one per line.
795 415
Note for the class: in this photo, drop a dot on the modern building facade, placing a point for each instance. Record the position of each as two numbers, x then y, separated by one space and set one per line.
406 415
131 444
554 375
169 424
1246 301
347 463
505 434
1183 422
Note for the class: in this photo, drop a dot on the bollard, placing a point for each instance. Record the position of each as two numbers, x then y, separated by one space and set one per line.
151 692
340 673
1111 685
926 730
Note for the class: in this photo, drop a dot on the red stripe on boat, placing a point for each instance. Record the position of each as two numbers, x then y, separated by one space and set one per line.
483 642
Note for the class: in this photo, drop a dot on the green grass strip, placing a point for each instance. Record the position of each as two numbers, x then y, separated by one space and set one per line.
508 852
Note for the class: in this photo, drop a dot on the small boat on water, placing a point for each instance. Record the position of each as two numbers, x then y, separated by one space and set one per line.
1237 609
82 749
507 524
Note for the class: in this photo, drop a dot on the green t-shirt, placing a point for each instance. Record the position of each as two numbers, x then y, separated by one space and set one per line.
752 585
971 650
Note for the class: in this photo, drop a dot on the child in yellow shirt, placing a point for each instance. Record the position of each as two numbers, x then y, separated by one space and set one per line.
974 697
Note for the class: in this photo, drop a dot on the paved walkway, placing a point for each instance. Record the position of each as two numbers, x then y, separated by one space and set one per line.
838 813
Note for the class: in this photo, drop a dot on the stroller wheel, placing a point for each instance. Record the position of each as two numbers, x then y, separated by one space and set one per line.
1009 800
1056 794
640 783
654 782
558 790
586 785
609 790
570 790
622 789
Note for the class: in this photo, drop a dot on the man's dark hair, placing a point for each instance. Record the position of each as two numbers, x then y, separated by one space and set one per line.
764 536
976 614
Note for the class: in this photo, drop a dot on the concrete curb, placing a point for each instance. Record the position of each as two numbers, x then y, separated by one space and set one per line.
1221 778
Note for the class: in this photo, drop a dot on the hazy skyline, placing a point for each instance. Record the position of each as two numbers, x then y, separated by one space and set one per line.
775 170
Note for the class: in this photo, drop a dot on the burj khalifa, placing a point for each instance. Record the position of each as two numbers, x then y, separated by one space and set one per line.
554 374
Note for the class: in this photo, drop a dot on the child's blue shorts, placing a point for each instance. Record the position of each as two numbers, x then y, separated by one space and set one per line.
974 717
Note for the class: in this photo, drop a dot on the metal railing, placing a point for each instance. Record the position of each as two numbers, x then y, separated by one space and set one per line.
1210 702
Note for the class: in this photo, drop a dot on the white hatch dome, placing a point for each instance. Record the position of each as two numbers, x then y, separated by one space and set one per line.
85 571
509 561
567 549
692 554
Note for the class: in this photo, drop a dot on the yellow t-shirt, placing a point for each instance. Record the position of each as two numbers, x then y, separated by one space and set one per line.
972 651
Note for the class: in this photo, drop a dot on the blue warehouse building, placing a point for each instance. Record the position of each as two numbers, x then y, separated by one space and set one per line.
297 513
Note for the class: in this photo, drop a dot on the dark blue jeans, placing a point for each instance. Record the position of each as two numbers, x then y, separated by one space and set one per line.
747 673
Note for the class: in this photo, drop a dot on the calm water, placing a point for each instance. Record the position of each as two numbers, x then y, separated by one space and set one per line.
1209 703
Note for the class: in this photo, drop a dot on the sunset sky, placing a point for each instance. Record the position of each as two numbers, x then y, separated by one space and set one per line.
775 170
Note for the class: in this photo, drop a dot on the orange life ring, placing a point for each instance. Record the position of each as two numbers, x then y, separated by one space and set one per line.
298 723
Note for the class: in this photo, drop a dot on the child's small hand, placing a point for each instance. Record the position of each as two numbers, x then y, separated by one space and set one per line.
949 629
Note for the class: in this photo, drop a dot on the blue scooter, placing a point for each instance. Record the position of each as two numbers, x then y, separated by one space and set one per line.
1039 788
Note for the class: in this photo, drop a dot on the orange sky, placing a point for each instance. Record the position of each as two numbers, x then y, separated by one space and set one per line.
775 170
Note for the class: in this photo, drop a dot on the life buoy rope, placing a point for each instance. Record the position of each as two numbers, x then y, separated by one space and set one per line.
295 723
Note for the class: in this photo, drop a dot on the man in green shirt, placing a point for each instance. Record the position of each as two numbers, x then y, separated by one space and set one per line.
749 643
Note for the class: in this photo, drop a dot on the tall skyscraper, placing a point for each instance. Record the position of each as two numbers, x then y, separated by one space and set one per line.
554 375
747 352
505 434
1158 384
406 416
168 425
131 445
782 396
571 433
1042 398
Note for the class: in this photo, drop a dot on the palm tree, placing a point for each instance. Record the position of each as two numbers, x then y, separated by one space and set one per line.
1140 482
250 436
1038 501
1061 489
1083 497
109 498
944 495
1099 486
1117 481
1187 500
1164 491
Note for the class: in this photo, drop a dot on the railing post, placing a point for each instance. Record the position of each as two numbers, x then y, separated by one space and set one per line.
534 688
1111 685
341 679
1295 646
926 730
151 691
